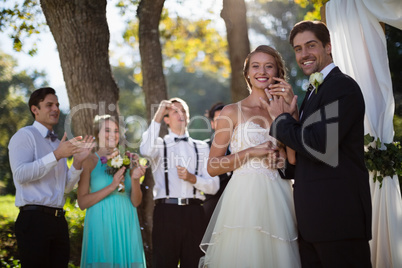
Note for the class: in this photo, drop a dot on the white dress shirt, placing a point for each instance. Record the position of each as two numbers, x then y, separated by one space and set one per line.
324 72
178 153
38 177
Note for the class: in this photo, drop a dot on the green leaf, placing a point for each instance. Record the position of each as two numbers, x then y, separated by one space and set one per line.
378 143
368 139
383 162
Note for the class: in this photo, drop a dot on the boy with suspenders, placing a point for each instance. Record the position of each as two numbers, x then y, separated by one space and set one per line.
179 166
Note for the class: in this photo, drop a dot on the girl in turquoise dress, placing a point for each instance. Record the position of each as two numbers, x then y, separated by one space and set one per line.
112 234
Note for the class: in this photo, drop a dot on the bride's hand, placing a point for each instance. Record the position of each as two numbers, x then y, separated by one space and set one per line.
282 89
263 149
271 159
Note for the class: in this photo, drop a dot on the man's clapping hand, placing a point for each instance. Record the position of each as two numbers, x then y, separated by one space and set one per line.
84 149
78 147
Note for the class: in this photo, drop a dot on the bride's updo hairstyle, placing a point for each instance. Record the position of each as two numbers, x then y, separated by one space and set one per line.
280 64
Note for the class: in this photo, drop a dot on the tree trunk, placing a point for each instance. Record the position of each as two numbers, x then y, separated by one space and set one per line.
154 86
82 36
234 15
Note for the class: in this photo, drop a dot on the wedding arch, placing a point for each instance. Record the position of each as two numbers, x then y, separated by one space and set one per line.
359 49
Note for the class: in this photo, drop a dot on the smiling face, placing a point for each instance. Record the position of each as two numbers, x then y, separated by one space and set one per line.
311 55
47 112
266 62
262 69
109 135
177 118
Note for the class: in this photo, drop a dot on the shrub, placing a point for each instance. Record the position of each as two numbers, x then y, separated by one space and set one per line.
9 256
75 219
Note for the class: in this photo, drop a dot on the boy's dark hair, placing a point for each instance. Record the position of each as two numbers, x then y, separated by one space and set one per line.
216 107
38 96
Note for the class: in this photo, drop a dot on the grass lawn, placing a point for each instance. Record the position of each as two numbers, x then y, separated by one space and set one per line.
8 210
8 243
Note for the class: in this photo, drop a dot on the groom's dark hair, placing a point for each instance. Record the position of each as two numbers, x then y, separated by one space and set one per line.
319 29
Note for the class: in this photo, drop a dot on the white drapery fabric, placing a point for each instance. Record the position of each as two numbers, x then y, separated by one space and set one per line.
359 49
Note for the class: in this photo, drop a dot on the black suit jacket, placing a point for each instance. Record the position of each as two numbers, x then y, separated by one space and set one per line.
331 189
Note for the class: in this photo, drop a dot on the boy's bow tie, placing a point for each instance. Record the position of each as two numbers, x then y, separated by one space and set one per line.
176 139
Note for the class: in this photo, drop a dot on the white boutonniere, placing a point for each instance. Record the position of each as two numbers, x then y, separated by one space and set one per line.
316 79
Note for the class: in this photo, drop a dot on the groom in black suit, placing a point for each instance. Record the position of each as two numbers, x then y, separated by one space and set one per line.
331 190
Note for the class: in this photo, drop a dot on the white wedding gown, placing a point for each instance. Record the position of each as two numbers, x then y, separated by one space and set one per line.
254 222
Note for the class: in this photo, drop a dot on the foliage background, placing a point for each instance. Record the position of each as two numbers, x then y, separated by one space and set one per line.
196 69
8 243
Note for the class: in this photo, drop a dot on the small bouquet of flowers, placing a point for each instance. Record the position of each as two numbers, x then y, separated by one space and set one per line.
117 161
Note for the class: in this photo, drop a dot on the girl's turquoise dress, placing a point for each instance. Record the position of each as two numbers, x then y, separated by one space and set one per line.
112 235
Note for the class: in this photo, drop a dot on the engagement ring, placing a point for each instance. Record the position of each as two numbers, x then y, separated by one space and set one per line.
270 99
283 89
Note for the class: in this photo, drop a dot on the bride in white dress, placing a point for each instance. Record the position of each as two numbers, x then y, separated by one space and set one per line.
254 222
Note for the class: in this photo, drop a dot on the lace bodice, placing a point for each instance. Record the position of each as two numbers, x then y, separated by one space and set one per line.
246 135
